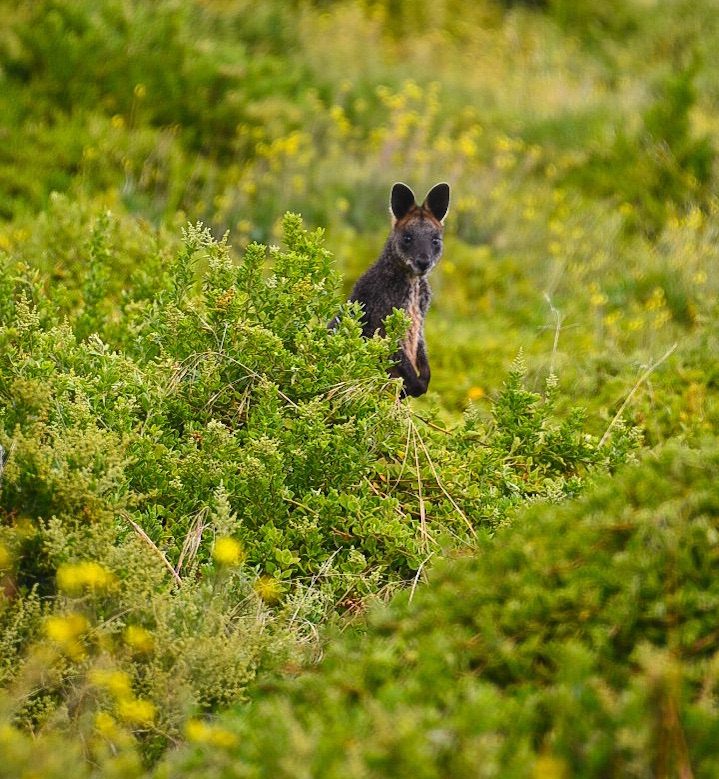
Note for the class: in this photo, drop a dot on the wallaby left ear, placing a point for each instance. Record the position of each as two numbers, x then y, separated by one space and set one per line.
437 201
401 201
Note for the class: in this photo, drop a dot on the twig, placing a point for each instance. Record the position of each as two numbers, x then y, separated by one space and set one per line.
415 581
434 426
557 330
143 535
647 373
422 510
439 482
405 457
193 538
322 572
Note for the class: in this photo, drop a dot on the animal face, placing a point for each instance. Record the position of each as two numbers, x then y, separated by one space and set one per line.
417 230
418 243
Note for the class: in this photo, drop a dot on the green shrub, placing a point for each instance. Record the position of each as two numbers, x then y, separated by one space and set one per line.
200 440
580 641
231 384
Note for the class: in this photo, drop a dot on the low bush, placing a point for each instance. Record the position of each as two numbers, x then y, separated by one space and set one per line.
580 641
192 453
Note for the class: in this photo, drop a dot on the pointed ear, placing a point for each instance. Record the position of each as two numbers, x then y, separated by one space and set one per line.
437 201
401 201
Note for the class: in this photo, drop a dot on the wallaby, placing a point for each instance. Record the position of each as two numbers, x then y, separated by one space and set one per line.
398 279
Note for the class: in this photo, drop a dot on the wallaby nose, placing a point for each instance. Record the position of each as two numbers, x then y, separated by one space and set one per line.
423 264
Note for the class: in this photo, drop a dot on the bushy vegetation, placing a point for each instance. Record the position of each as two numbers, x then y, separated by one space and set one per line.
227 547
215 444
581 642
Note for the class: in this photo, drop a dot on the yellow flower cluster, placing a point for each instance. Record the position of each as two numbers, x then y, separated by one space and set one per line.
409 137
207 733
295 145
476 393
651 315
228 551
340 120
656 306
116 682
506 152
74 578
130 709
269 589
66 631
138 639
136 711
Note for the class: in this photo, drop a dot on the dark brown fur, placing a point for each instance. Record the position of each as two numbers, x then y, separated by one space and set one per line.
398 279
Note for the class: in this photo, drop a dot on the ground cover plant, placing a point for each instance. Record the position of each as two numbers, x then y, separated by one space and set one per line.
583 644
226 546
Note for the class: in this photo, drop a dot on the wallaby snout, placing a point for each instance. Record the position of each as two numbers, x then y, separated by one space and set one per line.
418 245
423 264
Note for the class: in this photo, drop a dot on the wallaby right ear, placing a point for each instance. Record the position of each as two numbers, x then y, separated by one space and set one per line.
437 201
401 201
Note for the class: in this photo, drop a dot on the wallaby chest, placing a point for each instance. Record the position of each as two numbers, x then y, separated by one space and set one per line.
415 311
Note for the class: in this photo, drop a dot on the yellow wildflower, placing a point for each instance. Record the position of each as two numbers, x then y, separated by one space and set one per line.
200 732
63 629
116 682
228 551
269 589
136 711
66 631
105 725
139 639
75 577
467 146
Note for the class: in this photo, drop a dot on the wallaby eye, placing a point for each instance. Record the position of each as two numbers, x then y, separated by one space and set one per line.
406 239
436 241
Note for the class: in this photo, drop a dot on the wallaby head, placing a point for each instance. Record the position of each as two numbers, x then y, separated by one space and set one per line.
416 238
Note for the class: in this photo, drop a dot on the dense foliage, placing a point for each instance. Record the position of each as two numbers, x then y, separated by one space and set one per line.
227 547
583 643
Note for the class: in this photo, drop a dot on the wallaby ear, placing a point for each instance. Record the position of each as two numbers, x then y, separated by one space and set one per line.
401 201
437 201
